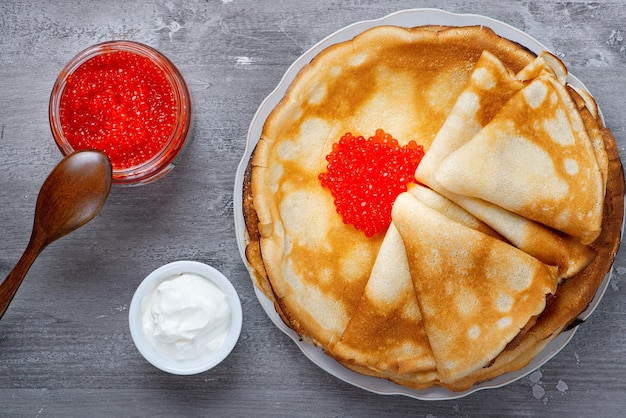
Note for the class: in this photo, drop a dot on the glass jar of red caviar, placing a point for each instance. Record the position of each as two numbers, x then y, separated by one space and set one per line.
128 100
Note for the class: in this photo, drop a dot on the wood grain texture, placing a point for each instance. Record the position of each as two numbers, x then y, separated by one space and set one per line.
64 342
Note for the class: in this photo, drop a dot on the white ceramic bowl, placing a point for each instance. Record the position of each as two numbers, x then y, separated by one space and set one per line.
145 347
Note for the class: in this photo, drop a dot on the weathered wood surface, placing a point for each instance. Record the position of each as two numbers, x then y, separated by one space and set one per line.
65 348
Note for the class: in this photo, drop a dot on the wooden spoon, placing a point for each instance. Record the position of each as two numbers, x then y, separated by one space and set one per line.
71 196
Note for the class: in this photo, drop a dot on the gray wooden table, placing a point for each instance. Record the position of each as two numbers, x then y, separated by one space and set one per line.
65 347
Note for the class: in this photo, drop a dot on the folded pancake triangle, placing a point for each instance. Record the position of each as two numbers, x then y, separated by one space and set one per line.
385 332
490 289
535 159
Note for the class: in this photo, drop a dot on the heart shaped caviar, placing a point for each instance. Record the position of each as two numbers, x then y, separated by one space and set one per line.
366 175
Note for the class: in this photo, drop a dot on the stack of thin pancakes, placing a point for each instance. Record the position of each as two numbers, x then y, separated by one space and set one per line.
504 242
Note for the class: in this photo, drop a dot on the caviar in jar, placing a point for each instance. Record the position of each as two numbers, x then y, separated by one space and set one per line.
127 100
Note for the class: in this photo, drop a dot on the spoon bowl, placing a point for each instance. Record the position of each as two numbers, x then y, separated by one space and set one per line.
72 195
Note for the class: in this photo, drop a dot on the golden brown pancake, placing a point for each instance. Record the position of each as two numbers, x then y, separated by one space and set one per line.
385 332
490 85
333 285
490 288
535 159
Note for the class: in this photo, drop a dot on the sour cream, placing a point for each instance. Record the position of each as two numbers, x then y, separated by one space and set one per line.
186 317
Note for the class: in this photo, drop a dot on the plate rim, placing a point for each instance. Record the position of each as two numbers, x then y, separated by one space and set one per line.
402 18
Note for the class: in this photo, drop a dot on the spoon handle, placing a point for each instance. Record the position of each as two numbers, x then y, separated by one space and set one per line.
8 288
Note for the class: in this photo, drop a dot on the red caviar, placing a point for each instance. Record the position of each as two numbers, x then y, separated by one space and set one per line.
366 175
121 103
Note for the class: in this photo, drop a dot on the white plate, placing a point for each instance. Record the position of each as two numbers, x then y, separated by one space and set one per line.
405 18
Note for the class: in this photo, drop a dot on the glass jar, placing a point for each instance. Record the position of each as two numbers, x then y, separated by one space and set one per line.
127 100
